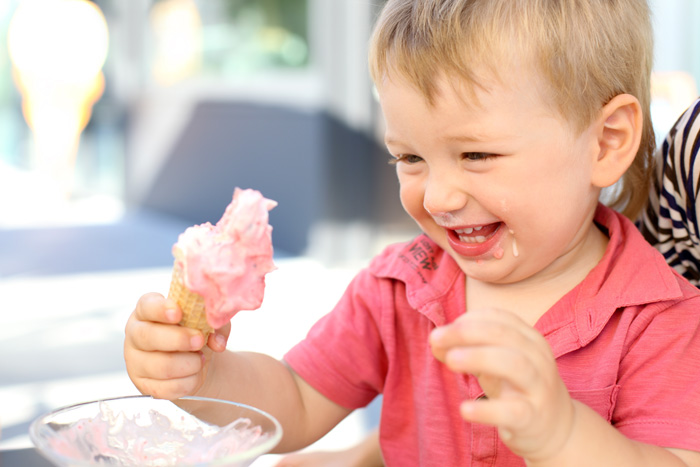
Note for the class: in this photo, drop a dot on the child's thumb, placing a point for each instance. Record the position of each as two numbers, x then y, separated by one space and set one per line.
218 339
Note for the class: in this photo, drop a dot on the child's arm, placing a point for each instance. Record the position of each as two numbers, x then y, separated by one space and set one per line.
594 441
529 403
169 361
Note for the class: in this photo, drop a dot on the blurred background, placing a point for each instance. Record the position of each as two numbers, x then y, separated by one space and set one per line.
124 121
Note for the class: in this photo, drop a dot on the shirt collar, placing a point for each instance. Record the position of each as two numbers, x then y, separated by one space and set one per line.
429 275
428 272
631 273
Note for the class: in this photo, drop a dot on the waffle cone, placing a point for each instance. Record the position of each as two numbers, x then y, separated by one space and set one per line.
192 304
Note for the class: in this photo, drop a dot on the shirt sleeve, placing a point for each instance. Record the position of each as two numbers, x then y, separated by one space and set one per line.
659 398
342 357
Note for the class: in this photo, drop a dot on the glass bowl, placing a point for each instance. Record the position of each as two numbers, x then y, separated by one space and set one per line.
141 430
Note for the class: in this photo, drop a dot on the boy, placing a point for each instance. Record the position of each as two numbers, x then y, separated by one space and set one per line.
529 324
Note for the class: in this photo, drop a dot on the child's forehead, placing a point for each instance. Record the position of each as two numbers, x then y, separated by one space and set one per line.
481 80
484 106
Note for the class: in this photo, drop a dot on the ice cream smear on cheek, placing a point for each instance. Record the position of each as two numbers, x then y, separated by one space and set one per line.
516 253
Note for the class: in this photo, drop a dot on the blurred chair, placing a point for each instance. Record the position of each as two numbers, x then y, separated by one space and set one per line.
317 169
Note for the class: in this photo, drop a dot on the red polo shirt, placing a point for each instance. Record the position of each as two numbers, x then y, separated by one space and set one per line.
626 340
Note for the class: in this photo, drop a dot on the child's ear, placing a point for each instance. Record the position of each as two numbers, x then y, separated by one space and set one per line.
618 129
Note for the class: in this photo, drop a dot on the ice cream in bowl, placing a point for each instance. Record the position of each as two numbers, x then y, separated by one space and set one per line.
143 431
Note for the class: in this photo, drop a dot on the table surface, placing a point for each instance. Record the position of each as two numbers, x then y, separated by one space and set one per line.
28 457
87 335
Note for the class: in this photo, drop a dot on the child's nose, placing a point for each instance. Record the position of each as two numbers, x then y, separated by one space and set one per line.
443 196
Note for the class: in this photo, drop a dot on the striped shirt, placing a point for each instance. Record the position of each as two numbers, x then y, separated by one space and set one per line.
670 221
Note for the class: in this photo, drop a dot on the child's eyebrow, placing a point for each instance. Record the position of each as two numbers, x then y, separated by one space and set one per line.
458 138
475 137
462 138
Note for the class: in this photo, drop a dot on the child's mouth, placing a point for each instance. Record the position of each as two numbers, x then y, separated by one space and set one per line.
474 241
476 234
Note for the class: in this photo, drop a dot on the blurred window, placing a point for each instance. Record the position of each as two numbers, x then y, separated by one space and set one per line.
13 130
226 37
162 42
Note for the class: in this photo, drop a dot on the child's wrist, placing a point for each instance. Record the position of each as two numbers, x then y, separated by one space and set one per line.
561 448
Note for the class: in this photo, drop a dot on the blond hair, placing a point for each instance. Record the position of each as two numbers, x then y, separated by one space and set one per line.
586 51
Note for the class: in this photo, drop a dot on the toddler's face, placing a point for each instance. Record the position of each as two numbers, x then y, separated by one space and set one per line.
504 187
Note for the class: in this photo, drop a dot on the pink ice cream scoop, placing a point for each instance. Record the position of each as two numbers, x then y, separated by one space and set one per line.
226 263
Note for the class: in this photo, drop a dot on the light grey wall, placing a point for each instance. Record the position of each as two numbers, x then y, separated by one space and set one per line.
677 35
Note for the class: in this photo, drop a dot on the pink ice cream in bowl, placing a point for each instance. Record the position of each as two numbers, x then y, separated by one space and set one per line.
218 271
143 431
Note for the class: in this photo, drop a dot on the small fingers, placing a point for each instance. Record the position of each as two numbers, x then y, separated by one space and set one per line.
497 362
162 358
525 429
508 414
149 336
153 326
170 365
485 327
155 308
218 339
216 342
165 375
170 389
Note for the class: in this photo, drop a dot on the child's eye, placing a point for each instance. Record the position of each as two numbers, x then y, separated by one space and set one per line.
478 156
407 158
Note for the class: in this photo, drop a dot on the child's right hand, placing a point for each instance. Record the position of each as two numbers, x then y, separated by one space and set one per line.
163 359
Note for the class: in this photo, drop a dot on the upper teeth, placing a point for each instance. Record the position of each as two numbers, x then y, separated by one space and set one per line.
468 230
463 235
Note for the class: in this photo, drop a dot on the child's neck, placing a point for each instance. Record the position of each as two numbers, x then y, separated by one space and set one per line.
527 302
530 299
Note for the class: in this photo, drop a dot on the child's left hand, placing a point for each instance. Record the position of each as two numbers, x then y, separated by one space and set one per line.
527 400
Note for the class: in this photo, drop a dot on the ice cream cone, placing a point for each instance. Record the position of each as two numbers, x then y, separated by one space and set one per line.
222 267
192 304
